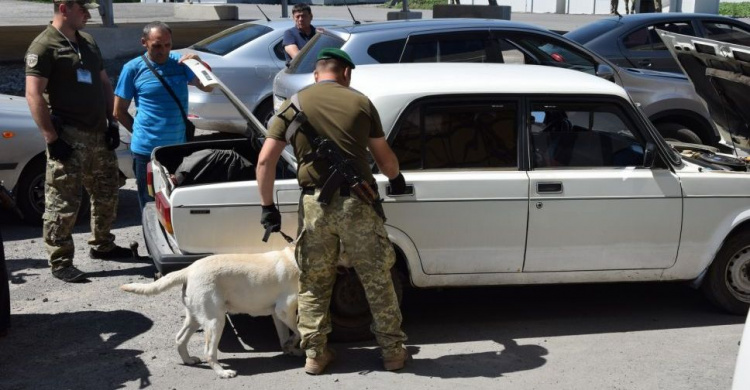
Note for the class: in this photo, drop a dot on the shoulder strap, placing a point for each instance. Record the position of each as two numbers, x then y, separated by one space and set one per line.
297 123
166 86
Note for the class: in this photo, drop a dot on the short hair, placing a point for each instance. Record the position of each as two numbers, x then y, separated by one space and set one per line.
156 25
57 4
331 65
301 7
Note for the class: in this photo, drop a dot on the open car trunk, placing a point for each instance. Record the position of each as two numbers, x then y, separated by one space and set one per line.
720 73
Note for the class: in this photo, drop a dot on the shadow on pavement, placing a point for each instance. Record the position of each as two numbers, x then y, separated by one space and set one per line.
79 352
505 315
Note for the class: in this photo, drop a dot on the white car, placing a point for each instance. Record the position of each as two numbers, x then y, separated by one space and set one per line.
22 158
516 174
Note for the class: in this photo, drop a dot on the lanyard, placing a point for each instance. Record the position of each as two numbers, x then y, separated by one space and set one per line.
78 51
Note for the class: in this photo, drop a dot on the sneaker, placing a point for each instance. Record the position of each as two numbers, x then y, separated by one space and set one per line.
396 362
69 274
316 365
117 252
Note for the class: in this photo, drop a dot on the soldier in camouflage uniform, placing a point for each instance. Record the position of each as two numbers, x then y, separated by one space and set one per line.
345 228
66 65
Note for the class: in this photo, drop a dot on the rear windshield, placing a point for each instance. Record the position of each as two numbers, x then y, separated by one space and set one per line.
590 31
230 39
304 62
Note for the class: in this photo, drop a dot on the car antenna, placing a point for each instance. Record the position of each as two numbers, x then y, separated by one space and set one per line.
264 14
350 13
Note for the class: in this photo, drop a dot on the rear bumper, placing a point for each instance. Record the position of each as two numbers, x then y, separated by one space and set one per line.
158 247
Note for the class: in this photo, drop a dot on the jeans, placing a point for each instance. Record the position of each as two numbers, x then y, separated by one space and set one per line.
140 161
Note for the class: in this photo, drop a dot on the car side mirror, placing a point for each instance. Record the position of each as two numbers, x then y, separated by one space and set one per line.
606 72
649 155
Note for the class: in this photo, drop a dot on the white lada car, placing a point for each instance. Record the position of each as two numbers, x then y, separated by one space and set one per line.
516 174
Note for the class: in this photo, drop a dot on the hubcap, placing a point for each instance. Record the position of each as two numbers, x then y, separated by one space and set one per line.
737 275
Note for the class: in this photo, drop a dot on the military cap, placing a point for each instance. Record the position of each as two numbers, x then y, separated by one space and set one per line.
88 4
338 54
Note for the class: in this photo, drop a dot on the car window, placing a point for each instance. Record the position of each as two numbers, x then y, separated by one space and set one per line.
457 134
388 52
684 28
452 47
509 54
592 30
278 51
638 40
552 52
230 39
304 62
725 32
583 135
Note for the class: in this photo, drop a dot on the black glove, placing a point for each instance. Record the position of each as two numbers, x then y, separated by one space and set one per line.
398 185
59 150
270 218
112 139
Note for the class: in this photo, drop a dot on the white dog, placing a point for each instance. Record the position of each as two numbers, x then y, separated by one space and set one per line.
256 284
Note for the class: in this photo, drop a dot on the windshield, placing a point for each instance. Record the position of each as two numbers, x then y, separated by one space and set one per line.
590 31
230 39
304 62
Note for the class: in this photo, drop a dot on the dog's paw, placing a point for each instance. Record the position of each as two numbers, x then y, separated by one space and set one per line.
192 360
224 374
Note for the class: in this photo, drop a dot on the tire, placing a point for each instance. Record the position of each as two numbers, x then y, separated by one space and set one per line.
264 112
727 283
679 133
30 194
350 312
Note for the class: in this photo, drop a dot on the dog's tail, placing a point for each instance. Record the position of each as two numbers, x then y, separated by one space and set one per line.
162 284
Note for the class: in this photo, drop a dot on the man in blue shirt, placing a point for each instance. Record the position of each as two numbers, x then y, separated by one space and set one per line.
158 120
296 37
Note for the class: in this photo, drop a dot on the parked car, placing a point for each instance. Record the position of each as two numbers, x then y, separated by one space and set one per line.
631 41
667 99
516 174
720 72
246 56
23 162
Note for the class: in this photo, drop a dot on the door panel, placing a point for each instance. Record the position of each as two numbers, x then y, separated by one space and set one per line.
604 220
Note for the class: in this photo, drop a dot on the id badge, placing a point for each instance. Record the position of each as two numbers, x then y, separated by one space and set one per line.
84 76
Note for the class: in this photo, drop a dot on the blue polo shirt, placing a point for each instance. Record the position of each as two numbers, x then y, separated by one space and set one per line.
297 37
158 120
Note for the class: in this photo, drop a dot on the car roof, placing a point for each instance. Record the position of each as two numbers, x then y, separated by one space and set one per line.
277 24
392 86
447 23
651 16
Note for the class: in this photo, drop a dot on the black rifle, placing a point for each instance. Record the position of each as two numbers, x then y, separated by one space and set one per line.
342 172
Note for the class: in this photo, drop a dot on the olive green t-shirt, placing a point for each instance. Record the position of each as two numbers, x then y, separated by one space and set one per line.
338 113
77 99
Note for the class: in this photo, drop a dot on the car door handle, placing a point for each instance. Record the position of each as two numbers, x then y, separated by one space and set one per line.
646 63
549 188
409 191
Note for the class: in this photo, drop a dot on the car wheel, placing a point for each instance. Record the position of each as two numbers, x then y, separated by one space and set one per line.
264 112
678 132
727 283
350 312
30 193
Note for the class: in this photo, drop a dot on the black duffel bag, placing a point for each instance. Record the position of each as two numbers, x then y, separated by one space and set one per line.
214 166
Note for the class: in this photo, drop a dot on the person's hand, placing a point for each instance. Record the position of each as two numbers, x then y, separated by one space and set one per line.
398 185
59 150
112 138
270 218
193 56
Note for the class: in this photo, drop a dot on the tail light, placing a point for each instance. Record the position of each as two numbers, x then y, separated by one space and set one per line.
164 212
150 179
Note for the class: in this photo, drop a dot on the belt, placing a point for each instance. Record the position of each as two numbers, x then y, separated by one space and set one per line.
343 190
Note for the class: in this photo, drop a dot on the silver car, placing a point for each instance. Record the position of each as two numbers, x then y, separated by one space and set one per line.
23 162
667 99
246 56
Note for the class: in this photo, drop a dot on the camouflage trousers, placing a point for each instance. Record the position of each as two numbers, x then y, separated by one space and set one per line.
94 167
346 228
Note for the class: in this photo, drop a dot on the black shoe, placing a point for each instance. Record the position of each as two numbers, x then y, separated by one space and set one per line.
69 274
117 252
